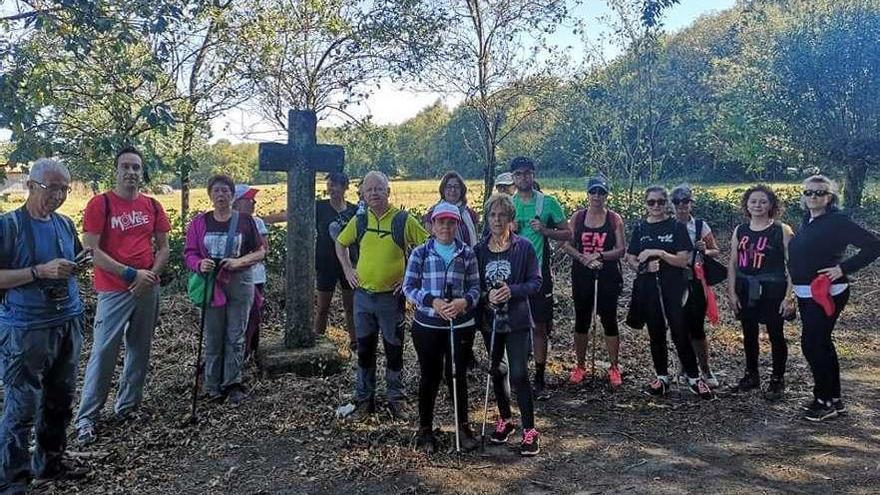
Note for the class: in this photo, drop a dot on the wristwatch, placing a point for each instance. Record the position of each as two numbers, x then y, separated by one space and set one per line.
34 273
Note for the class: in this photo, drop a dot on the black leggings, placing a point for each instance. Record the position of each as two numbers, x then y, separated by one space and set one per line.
818 346
657 328
512 367
582 294
432 348
767 312
695 312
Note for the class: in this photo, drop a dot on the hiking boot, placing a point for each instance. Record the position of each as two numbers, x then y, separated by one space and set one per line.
710 379
466 439
236 395
362 411
530 445
399 410
775 389
700 388
820 411
85 435
659 387
503 430
614 376
426 441
838 406
749 381
59 471
577 375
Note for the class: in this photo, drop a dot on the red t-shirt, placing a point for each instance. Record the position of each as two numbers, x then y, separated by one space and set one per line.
126 233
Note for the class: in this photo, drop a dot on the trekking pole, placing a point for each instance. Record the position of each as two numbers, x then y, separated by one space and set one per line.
195 392
452 362
488 378
595 327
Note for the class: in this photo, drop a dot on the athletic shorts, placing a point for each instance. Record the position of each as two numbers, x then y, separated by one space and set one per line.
582 295
541 303
327 275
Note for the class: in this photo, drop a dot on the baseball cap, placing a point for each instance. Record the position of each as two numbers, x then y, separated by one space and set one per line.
521 162
244 191
504 179
445 210
598 183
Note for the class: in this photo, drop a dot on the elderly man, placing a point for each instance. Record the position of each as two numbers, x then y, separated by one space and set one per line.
504 183
41 325
128 232
383 234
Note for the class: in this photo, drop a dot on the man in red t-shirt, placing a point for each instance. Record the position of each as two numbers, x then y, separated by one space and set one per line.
128 232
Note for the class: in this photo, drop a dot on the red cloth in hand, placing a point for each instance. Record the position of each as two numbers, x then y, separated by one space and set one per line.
820 289
711 303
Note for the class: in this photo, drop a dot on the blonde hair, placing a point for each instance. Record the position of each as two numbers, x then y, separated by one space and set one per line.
504 201
832 188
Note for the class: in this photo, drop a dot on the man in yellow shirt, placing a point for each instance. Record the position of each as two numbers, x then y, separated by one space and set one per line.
383 234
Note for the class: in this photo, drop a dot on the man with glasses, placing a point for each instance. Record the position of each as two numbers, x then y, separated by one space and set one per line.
128 232
41 322
539 217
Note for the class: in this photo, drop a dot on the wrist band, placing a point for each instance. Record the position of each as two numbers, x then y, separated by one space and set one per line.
34 273
129 274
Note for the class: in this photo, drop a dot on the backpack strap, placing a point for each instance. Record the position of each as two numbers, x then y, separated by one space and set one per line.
231 233
539 203
398 229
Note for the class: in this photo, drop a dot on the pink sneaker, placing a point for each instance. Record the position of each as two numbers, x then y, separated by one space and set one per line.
529 445
614 376
577 375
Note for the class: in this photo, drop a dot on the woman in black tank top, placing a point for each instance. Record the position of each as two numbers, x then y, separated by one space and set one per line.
596 249
758 284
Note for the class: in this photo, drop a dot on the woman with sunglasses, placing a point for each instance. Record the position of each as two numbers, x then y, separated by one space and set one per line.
453 190
819 274
596 248
757 285
658 250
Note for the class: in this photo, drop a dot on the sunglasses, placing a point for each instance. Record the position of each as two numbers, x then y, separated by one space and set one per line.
682 201
598 192
816 193
655 202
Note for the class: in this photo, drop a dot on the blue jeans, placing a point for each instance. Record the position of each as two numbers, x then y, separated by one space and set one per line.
118 315
39 376
378 314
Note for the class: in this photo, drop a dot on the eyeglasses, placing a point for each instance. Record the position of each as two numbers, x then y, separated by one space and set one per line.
54 189
452 187
655 202
682 201
523 173
816 193
598 192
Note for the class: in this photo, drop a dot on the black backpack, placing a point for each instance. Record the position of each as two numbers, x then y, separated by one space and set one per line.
397 232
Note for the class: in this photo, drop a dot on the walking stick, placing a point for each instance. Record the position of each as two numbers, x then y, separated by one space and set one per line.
666 322
195 392
595 326
454 376
488 378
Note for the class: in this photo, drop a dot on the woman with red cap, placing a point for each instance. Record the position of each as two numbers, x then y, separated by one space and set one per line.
819 274
757 285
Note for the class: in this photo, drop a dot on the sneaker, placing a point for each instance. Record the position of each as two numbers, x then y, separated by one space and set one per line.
85 435
215 397
775 389
503 430
577 375
700 388
658 388
710 379
748 382
236 395
426 441
614 377
126 415
466 439
60 471
399 410
362 411
820 411
529 445
838 406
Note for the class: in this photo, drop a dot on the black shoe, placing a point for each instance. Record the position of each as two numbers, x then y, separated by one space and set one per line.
820 411
236 395
530 445
658 388
838 406
749 381
399 410
540 391
60 471
426 441
466 439
362 411
503 430
775 389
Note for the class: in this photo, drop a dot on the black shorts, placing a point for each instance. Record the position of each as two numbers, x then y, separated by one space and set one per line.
327 275
610 286
541 303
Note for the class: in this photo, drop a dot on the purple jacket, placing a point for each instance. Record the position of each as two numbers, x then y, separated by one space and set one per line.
194 252
525 280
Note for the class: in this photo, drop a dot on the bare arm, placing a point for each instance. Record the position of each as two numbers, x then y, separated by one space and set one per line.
619 244
347 268
731 274
162 253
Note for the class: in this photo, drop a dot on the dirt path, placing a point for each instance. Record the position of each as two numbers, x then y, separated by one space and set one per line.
286 440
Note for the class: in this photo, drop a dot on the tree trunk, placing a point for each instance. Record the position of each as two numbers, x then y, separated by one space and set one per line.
185 169
854 183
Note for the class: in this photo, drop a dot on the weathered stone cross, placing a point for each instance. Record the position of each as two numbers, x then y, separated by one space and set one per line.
301 157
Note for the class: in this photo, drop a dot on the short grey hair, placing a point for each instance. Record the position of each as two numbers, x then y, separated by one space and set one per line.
832 188
378 175
682 191
44 165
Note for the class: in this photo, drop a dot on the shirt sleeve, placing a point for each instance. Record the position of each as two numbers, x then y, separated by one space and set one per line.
349 234
415 233
556 213
868 244
163 224
261 226
249 236
95 215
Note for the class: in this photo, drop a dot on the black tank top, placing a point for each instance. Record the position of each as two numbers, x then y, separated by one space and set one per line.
760 253
594 240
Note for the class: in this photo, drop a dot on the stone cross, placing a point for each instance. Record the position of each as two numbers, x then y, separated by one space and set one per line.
300 158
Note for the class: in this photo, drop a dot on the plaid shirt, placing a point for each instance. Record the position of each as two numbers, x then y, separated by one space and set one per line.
427 276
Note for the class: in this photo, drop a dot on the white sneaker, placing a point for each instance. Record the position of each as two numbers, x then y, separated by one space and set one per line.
710 379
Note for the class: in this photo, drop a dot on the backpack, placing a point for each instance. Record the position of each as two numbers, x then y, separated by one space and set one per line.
397 232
